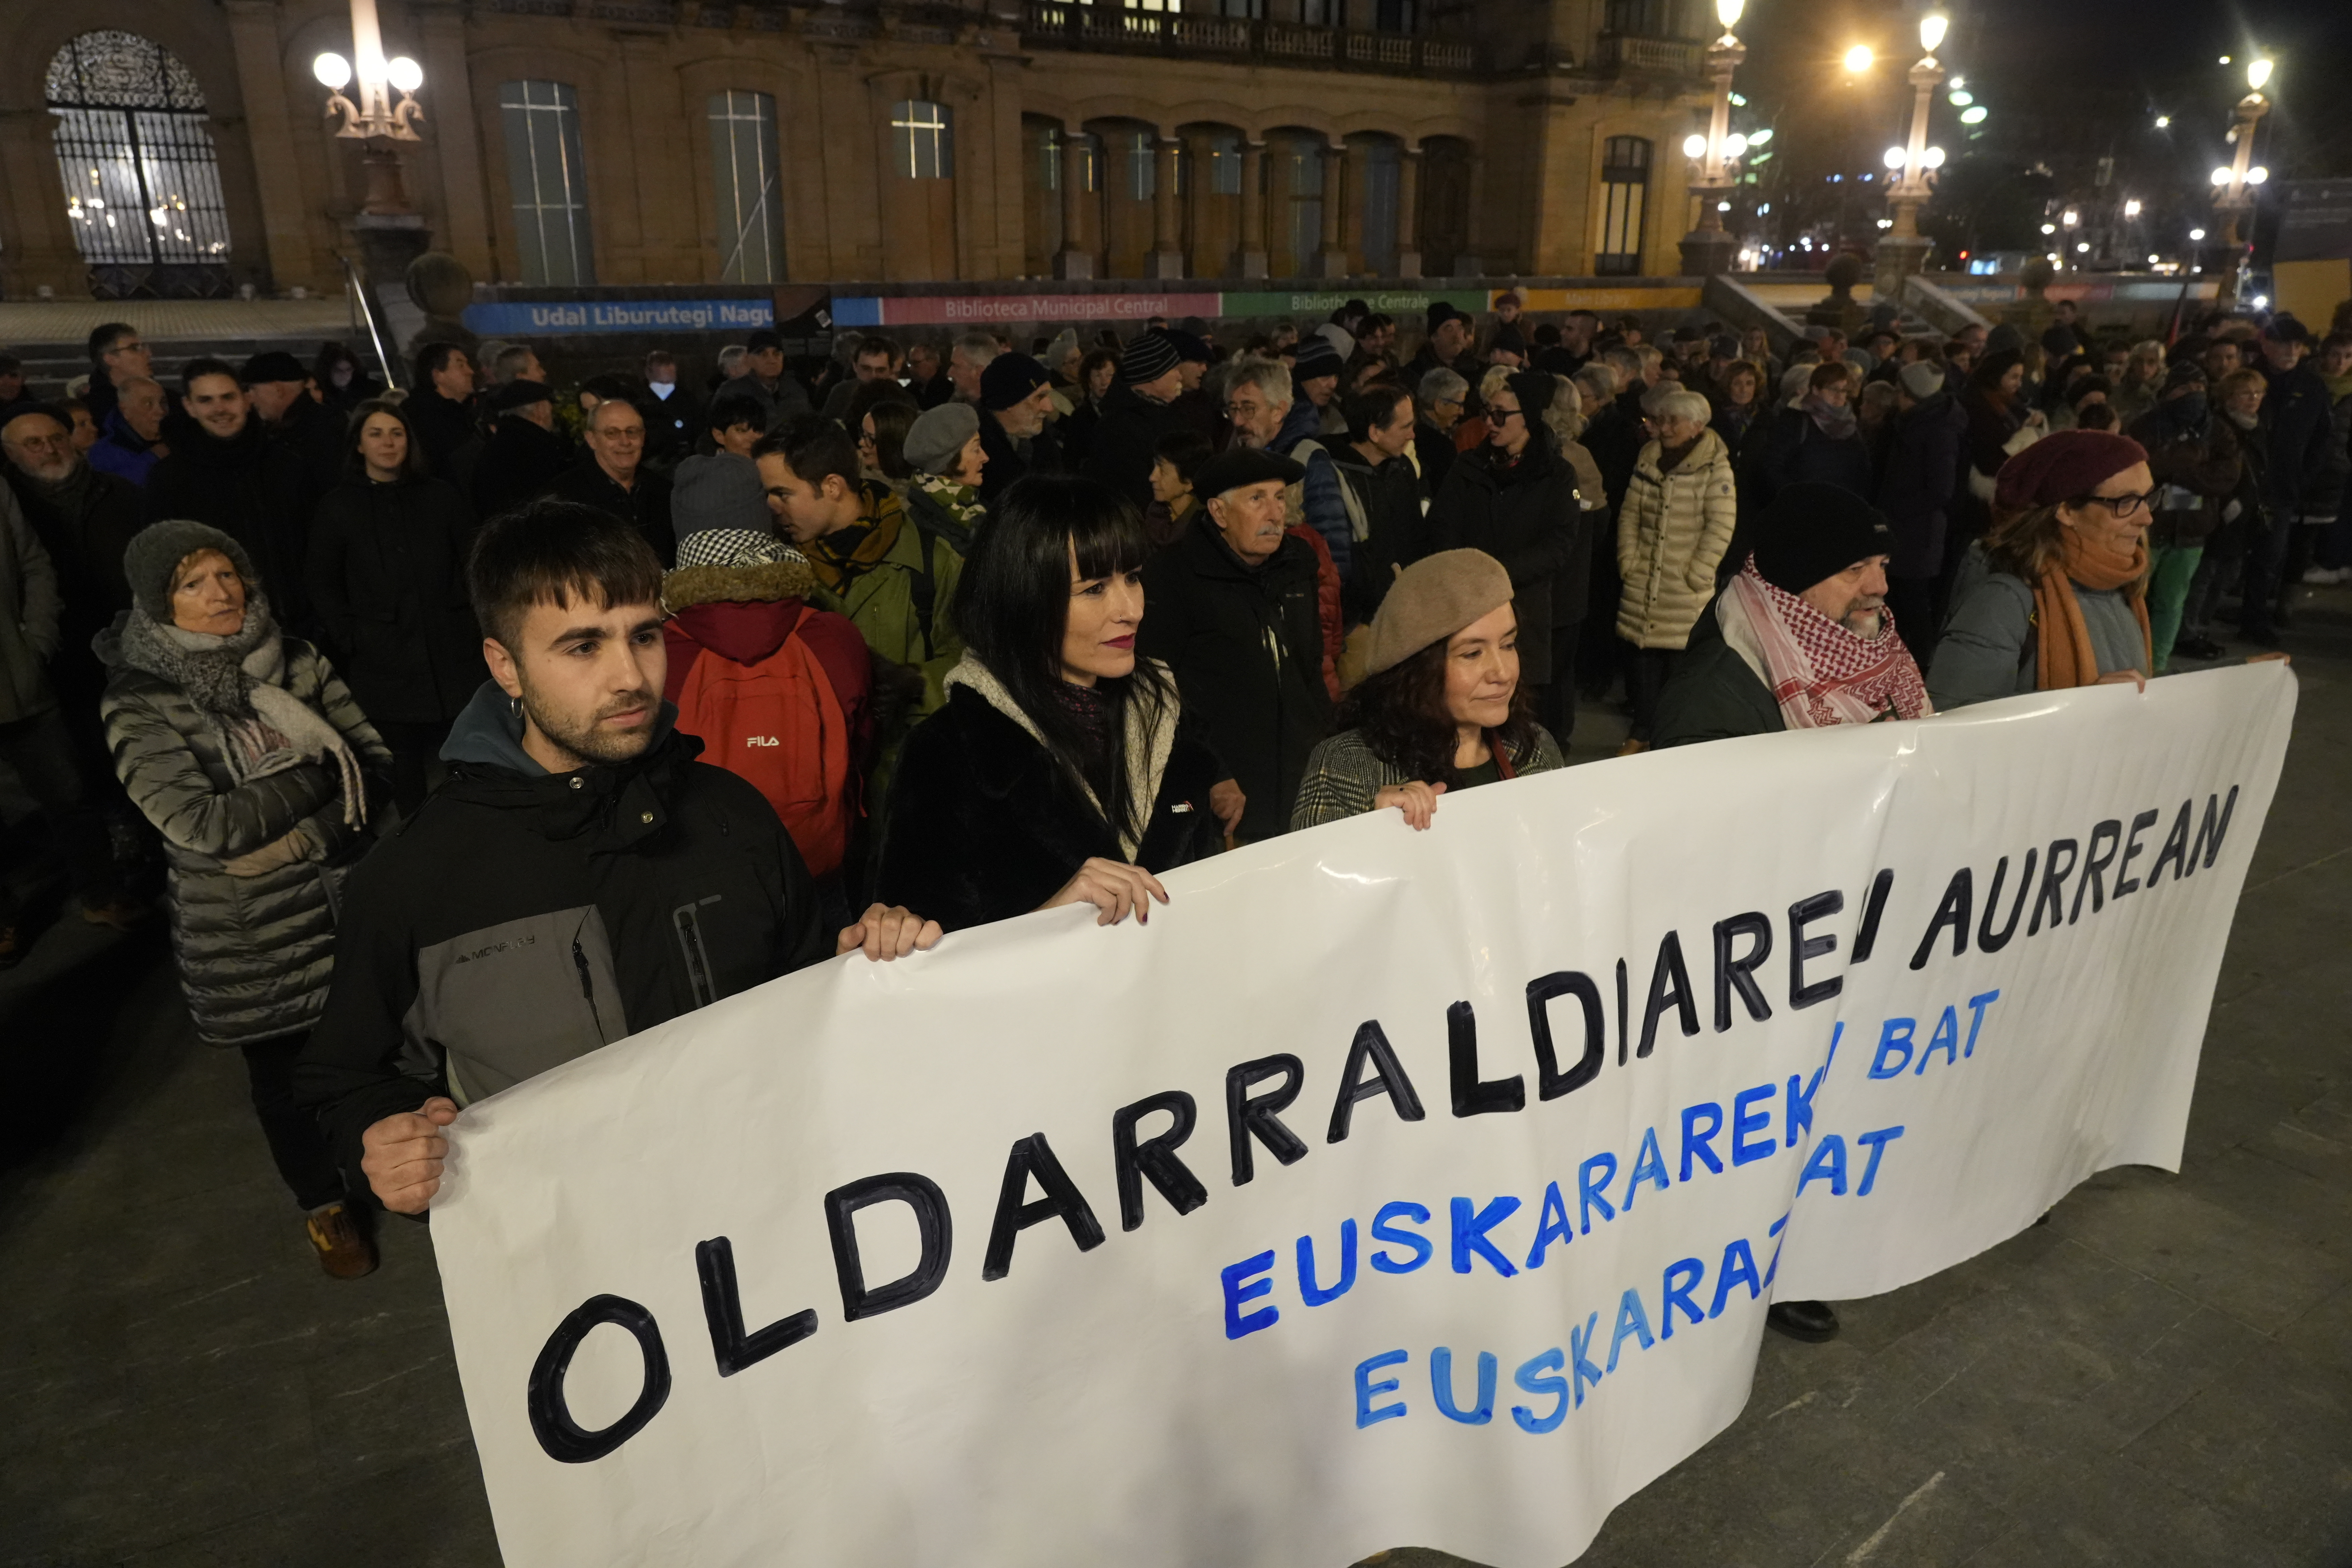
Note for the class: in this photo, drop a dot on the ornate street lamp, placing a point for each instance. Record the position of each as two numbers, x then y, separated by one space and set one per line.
2233 199
1715 157
1902 250
374 119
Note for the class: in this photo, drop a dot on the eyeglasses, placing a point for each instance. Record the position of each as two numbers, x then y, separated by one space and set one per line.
2123 505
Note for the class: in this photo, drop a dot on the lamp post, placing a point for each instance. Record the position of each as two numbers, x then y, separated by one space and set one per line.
1715 157
1903 250
2233 200
374 119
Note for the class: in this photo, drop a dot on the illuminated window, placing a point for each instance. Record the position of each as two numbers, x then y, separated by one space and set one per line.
134 153
743 169
1624 196
547 181
922 143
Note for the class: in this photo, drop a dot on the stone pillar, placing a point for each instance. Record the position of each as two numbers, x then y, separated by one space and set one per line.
1252 235
1407 227
1331 260
1077 257
1472 262
261 81
1167 224
453 135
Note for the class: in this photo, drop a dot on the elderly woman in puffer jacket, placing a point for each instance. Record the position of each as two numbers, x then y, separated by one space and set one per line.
1679 513
245 751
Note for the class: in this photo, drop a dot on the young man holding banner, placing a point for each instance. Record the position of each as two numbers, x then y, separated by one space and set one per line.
579 880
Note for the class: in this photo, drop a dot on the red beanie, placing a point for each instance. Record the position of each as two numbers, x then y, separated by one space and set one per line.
2063 467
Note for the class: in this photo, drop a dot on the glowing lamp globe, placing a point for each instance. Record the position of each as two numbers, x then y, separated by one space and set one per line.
333 71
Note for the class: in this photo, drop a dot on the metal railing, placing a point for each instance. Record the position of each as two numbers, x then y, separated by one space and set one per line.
356 289
1105 27
1667 57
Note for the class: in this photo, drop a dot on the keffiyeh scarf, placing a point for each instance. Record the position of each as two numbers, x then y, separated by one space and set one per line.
1820 672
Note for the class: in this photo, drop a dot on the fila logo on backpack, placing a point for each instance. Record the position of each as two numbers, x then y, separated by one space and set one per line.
779 724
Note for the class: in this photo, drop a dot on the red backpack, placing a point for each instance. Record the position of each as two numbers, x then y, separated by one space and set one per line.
780 725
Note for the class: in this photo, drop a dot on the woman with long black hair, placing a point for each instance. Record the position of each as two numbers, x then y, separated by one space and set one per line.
1062 769
387 575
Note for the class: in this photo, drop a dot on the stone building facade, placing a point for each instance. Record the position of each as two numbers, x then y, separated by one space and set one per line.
179 146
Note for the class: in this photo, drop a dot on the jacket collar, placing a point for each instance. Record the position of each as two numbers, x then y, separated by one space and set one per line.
1150 738
627 801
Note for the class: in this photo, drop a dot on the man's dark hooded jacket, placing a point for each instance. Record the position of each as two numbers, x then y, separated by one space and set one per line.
1246 647
520 463
1125 441
522 918
256 489
1714 694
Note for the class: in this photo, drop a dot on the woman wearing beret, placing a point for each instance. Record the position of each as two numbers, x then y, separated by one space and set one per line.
943 449
2056 594
247 751
1062 769
1441 705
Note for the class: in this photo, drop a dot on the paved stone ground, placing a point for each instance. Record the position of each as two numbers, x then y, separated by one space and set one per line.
2161 1375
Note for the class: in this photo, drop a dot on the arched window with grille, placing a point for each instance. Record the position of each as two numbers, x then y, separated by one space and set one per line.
1624 201
546 184
744 166
134 151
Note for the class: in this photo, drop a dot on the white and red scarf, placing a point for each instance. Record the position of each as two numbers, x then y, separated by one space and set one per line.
1820 672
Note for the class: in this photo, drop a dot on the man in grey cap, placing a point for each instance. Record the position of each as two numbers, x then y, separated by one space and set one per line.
1139 410
1234 614
1918 483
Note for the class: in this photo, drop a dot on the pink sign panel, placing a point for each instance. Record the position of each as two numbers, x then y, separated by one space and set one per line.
979 310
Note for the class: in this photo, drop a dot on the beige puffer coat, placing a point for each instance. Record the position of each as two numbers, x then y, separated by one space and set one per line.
1671 536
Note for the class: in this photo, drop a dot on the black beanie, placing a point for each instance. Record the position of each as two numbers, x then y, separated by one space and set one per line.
1535 391
1812 531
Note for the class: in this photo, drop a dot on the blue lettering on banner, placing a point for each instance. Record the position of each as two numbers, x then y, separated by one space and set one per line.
568 318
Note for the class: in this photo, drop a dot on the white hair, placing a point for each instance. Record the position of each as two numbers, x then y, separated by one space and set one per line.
1270 376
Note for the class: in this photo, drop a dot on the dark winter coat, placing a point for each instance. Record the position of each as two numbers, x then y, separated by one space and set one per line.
645 505
1008 462
1923 470
2300 415
1245 644
522 918
440 426
255 953
1526 516
1714 694
85 524
1387 498
387 575
1796 451
316 435
2197 468
984 824
30 611
519 463
1121 452
1435 449
253 488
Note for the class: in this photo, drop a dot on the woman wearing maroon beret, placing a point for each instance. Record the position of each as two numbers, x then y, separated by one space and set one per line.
2055 595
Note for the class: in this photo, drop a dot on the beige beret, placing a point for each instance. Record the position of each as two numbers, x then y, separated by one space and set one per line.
1431 600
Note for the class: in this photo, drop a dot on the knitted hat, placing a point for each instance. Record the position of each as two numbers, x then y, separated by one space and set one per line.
1431 600
2004 337
732 547
2063 467
1190 347
275 364
1508 340
1534 390
154 554
1812 531
1008 379
2184 372
1342 340
1147 357
1239 466
937 434
1316 357
720 491
1440 312
1922 378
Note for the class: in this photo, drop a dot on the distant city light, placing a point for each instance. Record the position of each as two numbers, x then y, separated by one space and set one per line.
2225 59
1758 137
1895 157
2258 73
1886 223
2131 209
1933 157
1974 116
2081 245
2257 175
2072 218
2050 228
2261 301
1859 59
1734 145
2196 234
1694 145
2153 259
2221 176
2163 120
1764 209
1738 100
1932 28
1960 99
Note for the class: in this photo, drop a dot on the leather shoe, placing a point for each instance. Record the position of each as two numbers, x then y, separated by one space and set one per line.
345 1250
1812 1321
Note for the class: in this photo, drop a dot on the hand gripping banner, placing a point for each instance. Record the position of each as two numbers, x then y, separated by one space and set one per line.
1388 1188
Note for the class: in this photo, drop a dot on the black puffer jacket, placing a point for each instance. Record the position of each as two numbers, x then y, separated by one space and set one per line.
255 951
1526 516
984 825
388 580
1246 647
523 918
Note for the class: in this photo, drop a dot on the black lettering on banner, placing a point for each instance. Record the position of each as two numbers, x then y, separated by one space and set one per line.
722 1309
2052 897
564 1439
1739 973
2125 881
1550 1082
1803 914
1154 1157
1247 1117
2095 863
1865 941
1987 938
2176 847
1670 986
2210 832
932 1226
1958 905
1472 1097
1621 1012
1371 1049
1033 1156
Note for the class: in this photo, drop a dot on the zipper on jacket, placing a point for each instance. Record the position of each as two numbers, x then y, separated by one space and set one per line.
587 987
689 925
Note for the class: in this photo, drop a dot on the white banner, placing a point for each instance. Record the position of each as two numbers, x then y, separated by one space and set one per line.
1388 1188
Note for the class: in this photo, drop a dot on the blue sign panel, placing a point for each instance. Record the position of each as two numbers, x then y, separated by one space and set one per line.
567 317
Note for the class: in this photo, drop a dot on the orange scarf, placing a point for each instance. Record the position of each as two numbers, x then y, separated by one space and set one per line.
2065 659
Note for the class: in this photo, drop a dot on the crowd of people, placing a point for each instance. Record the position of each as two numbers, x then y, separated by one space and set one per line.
468 746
